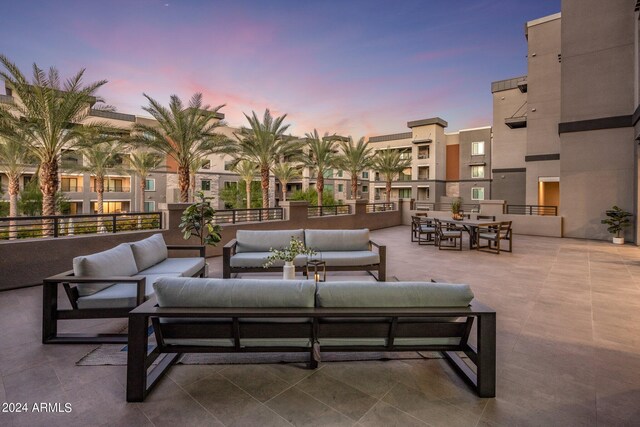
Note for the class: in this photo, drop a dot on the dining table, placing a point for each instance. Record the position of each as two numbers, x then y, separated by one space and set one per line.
470 226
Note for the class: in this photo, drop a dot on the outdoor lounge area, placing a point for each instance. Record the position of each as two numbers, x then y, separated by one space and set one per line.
562 356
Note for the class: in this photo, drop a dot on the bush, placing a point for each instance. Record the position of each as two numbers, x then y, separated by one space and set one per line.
311 196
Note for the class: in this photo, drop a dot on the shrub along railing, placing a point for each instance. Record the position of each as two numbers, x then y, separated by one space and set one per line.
532 210
24 227
233 216
380 207
429 206
315 211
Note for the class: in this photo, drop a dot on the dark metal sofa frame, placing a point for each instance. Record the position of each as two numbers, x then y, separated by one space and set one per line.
142 375
51 314
230 249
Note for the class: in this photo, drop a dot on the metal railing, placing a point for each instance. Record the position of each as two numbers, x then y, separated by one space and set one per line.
532 210
380 207
113 189
26 227
316 211
71 188
233 216
430 206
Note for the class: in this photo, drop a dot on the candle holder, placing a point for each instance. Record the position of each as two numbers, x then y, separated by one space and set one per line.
319 270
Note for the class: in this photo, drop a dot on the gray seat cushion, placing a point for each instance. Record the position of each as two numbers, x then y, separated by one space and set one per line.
427 229
349 258
194 292
117 261
337 240
264 240
451 233
150 251
182 266
257 259
392 294
120 295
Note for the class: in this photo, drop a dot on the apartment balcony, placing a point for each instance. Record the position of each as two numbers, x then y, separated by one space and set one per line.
71 188
6 99
113 189
516 122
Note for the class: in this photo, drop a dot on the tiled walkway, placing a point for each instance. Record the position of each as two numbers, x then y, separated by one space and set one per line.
568 354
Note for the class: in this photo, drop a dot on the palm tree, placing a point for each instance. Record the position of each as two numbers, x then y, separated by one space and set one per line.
44 115
141 164
184 133
101 150
285 172
389 163
355 158
14 157
265 143
195 165
321 157
246 169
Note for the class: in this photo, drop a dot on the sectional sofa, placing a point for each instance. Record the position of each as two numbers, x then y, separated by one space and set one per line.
110 283
342 250
240 315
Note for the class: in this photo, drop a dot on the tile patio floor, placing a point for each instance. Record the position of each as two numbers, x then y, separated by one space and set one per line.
568 354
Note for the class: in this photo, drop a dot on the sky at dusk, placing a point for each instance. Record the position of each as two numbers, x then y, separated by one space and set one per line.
352 67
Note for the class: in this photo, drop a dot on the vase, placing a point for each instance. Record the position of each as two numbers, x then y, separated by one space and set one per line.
618 240
288 271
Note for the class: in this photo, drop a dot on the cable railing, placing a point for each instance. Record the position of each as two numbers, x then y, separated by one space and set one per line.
28 227
380 207
329 210
233 216
532 210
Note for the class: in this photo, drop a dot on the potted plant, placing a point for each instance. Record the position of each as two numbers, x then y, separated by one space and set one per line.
618 219
456 212
198 221
288 254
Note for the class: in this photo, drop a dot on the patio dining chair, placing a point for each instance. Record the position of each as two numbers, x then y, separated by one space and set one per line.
494 233
422 226
449 236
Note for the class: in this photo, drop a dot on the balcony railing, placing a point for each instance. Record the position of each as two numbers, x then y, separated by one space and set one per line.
71 188
233 216
532 210
430 206
380 207
329 210
25 227
113 189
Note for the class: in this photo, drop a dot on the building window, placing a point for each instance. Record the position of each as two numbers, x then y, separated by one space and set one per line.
149 184
328 173
477 148
230 184
206 164
365 188
477 171
365 175
205 185
328 188
340 188
477 193
228 166
149 206
404 193
111 207
340 173
70 184
423 152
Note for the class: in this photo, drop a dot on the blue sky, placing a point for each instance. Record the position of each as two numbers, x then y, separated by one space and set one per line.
351 67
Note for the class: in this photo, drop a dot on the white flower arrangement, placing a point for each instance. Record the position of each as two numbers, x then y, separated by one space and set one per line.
288 254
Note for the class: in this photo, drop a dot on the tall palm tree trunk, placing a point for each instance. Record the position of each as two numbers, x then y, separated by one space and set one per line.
284 190
143 186
99 182
247 187
264 178
320 188
48 177
354 186
184 179
388 190
13 190
193 187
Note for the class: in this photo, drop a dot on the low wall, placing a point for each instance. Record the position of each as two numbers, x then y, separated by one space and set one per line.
26 262
532 225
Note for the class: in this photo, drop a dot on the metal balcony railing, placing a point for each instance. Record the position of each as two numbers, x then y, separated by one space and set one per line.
234 216
316 211
532 210
380 207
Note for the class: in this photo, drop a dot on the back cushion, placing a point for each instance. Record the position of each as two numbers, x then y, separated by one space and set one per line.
392 294
196 292
262 241
337 240
113 262
150 251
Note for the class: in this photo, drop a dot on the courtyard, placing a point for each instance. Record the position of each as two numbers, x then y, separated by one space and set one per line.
568 352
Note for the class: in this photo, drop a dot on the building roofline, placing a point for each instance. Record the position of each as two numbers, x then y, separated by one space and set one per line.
430 121
544 19
507 84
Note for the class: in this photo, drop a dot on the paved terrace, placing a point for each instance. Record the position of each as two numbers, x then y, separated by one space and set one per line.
568 354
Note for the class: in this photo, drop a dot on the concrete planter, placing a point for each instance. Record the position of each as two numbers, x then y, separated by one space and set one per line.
618 240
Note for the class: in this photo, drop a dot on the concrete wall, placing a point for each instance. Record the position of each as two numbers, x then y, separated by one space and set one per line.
509 186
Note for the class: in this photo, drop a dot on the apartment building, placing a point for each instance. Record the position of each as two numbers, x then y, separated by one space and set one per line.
566 134
443 165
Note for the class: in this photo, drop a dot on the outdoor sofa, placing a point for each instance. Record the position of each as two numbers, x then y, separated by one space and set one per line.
250 315
342 250
110 283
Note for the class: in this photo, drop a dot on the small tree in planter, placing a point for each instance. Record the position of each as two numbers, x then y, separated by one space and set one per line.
288 254
198 221
618 219
456 204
